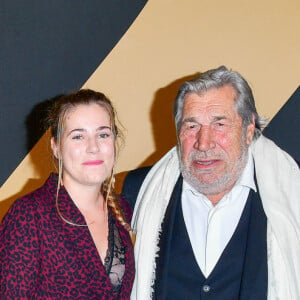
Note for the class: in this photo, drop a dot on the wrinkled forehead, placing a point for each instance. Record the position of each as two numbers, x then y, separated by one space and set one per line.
220 98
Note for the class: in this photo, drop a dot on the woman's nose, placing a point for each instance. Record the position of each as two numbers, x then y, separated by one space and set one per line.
93 145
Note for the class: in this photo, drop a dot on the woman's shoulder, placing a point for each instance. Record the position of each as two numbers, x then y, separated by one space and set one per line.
32 203
132 184
43 195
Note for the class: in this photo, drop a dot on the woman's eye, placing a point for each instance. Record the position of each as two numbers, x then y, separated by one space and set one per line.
104 135
77 137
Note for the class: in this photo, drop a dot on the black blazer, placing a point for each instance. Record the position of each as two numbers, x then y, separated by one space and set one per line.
132 184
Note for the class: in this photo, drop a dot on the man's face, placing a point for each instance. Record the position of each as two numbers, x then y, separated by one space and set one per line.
213 144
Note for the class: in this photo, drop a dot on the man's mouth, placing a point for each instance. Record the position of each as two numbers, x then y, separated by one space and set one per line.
205 163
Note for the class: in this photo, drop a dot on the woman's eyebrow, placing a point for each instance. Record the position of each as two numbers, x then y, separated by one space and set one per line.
76 129
103 127
84 130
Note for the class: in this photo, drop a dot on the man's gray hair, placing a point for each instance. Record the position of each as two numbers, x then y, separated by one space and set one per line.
217 78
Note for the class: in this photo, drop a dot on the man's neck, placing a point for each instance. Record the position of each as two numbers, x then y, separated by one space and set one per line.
214 199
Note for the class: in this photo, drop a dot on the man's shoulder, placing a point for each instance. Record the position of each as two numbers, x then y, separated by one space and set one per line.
139 173
132 184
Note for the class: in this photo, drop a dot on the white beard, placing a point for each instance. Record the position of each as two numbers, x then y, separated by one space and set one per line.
221 184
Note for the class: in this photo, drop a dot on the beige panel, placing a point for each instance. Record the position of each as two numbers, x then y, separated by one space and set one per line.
174 39
169 41
30 174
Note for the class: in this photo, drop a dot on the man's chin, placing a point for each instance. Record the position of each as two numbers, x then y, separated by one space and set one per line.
195 181
206 184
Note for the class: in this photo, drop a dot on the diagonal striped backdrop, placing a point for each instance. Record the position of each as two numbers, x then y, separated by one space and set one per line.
137 52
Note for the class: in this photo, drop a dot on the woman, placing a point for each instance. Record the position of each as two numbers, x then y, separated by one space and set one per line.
70 238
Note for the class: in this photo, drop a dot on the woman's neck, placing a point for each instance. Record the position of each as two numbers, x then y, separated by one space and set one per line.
88 199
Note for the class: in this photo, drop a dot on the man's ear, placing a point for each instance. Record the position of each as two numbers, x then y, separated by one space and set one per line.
54 148
250 131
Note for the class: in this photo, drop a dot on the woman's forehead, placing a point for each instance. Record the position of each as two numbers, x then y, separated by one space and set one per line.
87 115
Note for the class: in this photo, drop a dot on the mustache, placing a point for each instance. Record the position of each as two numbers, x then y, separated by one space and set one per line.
199 155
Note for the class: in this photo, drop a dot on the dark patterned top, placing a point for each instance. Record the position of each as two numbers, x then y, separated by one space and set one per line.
114 261
42 257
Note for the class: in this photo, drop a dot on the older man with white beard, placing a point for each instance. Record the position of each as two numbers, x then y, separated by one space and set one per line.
218 216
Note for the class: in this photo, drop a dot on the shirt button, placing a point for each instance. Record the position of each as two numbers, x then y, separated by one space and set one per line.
206 288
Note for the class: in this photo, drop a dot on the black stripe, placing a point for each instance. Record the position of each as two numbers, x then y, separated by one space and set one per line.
49 48
284 127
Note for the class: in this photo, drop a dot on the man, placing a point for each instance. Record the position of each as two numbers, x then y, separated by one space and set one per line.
218 216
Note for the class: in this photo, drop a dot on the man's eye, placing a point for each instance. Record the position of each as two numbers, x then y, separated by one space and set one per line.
220 124
192 126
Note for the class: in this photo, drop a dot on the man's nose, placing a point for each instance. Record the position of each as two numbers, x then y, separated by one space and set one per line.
204 139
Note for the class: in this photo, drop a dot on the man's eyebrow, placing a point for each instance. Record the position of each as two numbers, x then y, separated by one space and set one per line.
215 118
191 119
218 118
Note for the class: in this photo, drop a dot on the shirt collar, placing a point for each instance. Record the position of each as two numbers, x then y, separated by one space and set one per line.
247 177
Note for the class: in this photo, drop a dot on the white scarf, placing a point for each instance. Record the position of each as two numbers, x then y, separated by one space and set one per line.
278 179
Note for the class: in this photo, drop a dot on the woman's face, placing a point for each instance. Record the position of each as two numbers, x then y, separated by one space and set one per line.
87 146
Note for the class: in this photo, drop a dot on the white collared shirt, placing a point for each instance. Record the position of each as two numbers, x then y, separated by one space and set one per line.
211 227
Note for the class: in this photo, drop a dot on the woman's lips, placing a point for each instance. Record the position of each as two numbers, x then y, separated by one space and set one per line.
93 162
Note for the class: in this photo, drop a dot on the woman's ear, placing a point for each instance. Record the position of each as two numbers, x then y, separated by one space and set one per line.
54 148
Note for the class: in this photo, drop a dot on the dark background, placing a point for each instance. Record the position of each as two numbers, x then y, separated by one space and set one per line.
284 128
48 48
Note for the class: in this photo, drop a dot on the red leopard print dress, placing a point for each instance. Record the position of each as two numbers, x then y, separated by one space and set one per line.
42 257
